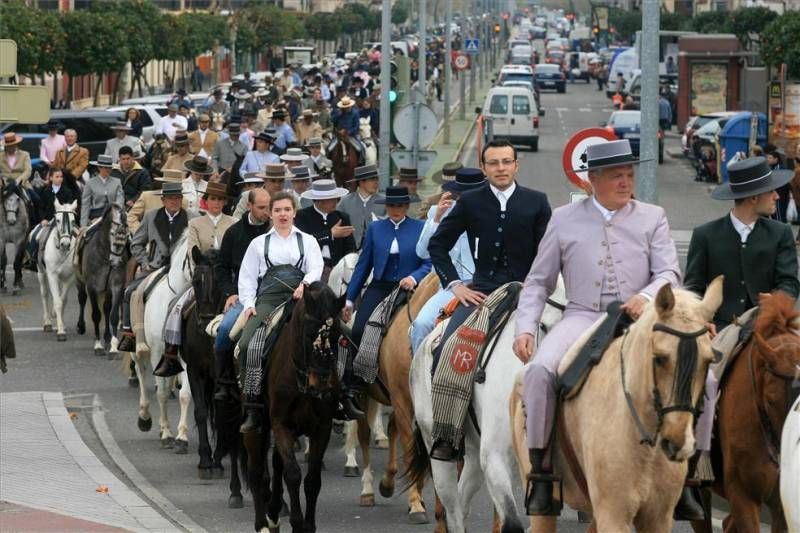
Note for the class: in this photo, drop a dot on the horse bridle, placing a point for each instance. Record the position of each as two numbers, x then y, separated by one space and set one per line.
63 229
117 240
323 348
681 384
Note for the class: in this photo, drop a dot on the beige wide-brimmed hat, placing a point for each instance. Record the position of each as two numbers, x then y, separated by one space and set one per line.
345 103
172 175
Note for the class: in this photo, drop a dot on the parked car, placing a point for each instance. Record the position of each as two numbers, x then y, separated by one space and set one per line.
149 115
513 115
627 125
549 77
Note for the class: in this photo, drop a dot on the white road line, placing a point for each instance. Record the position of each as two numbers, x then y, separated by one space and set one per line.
585 110
27 328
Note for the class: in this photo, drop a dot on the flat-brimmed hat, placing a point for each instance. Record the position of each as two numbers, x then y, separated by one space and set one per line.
395 195
103 160
466 179
275 171
324 189
294 154
408 174
181 138
172 175
121 125
234 128
309 113
215 188
314 141
242 94
11 139
172 107
171 188
280 114
54 124
181 92
610 154
199 165
265 136
345 103
301 173
446 173
367 172
750 177
252 177
204 118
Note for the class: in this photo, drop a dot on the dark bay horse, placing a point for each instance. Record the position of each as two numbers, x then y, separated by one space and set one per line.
755 398
300 395
345 159
197 351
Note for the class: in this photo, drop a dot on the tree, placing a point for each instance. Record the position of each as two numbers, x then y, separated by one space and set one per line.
779 43
711 22
674 22
749 22
400 11
323 26
39 37
627 23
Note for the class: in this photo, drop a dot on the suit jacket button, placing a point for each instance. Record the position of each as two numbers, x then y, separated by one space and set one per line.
742 300
495 259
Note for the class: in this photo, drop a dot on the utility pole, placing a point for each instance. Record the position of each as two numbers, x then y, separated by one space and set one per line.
448 38
386 84
473 63
646 186
421 94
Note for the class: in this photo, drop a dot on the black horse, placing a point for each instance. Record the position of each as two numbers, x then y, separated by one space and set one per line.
300 394
197 351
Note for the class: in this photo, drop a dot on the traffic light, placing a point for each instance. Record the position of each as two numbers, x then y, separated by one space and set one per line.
394 85
497 28
595 29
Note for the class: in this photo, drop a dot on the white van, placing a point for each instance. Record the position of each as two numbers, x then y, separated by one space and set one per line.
513 114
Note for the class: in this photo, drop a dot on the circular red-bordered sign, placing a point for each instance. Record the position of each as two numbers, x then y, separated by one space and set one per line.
574 156
461 62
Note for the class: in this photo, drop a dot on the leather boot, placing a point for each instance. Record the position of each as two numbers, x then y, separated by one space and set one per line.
168 365
539 494
351 410
690 506
225 391
443 451
253 414
127 341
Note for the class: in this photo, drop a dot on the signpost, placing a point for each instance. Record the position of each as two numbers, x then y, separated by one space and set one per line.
574 156
23 104
472 47
405 129
405 159
462 62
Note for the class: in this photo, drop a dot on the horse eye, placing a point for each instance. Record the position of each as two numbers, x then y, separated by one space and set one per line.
661 360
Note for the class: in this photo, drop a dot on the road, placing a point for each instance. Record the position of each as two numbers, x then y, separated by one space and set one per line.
94 385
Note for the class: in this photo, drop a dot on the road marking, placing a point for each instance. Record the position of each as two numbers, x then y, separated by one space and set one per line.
27 328
585 110
561 109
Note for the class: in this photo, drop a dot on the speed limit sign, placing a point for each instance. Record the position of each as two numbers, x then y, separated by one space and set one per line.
462 62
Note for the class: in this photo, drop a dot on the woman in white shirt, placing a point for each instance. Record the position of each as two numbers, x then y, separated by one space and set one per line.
275 267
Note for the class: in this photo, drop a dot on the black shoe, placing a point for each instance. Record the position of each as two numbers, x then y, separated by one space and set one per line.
167 367
443 451
689 506
127 342
252 421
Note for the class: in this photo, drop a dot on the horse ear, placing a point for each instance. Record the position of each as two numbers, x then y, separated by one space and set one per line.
713 297
197 255
57 204
665 300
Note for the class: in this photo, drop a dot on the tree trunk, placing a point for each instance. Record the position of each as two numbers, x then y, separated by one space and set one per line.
70 83
97 89
115 94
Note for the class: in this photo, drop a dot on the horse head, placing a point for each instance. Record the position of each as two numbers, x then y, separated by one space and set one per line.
365 128
777 343
317 318
674 351
65 224
11 207
206 293
117 235
217 121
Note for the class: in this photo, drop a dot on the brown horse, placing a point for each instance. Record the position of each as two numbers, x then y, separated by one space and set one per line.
345 159
300 393
753 404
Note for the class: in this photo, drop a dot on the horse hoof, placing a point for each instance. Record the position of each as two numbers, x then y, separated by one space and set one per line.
133 382
203 473
235 502
418 518
47 328
352 471
387 491
217 472
144 425
167 443
181 447
61 337
367 500
382 444
80 329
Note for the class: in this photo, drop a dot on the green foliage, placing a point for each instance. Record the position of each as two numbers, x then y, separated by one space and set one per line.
203 31
400 11
627 23
749 21
323 26
779 43
260 26
94 42
172 32
674 22
142 20
711 22
39 37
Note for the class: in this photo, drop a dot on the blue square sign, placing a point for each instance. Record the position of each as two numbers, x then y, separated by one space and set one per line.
472 46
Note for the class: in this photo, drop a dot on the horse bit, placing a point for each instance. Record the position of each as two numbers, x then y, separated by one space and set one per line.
322 348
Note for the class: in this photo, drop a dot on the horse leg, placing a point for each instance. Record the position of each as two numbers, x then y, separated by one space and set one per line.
745 513
386 485
80 328
99 347
400 425
144 422
59 289
292 475
185 399
367 498
19 253
47 304
259 488
445 480
162 393
350 443
494 463
313 479
116 308
3 261
201 421
378 433
107 317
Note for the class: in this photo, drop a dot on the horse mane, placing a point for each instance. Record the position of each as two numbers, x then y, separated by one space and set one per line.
775 315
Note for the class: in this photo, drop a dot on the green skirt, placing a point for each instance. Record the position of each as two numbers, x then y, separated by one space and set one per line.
272 293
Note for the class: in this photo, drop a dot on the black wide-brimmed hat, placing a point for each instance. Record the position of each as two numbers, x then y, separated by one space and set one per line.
750 177
609 154
466 179
54 124
265 136
367 172
395 195
199 165
446 173
408 174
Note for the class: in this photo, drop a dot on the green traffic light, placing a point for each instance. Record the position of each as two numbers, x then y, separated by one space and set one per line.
392 96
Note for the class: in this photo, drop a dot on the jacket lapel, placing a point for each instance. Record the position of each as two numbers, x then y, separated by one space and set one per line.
161 222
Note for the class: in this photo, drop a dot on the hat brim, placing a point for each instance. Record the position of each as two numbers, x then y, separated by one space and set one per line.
362 178
189 168
15 142
634 161
168 180
396 200
338 192
225 195
408 178
454 186
97 163
171 193
285 157
255 181
776 179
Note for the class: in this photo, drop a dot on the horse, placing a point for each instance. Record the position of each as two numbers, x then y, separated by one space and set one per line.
790 467
299 394
171 285
370 149
101 277
487 446
217 121
56 274
755 398
14 224
7 348
345 158
634 413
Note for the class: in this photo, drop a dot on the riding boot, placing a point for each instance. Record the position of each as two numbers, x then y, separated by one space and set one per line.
354 388
690 506
539 494
253 412
127 341
225 387
442 450
168 365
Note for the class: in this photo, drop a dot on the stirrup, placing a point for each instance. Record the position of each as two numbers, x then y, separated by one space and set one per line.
556 504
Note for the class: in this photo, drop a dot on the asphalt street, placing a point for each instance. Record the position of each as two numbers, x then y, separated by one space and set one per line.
97 389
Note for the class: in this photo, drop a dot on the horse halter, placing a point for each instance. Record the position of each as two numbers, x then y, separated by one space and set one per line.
321 349
681 384
118 238
64 227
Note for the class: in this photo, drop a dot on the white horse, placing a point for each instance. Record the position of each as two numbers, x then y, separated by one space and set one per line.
56 274
174 283
790 467
370 149
488 450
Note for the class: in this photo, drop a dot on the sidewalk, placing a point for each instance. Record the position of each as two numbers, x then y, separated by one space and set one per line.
48 473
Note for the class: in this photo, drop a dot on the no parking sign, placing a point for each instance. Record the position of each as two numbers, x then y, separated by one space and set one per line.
574 156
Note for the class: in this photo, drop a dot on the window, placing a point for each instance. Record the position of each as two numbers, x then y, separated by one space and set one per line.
144 118
499 104
520 105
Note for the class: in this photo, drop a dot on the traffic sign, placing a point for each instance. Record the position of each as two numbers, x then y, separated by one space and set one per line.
574 156
472 46
405 159
24 104
423 127
8 58
461 62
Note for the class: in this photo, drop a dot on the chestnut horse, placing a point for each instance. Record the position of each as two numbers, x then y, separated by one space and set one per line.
345 159
754 401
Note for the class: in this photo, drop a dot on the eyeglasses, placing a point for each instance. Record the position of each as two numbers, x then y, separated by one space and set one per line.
498 162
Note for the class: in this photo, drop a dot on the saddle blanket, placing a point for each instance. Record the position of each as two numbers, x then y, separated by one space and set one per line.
261 345
365 365
729 342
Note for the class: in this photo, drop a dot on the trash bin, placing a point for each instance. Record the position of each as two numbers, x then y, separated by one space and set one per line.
735 137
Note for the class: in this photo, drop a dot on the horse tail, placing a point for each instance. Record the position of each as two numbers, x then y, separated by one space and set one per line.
419 467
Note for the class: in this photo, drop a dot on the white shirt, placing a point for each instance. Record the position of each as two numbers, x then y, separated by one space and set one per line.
395 248
607 213
365 200
741 228
193 192
326 250
281 252
167 125
503 196
215 220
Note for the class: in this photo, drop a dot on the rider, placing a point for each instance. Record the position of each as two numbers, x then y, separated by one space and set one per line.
467 179
72 158
363 205
133 177
194 186
120 139
410 178
347 118
307 127
152 246
300 181
60 188
284 134
275 267
600 264
256 160
151 199
203 140
317 162
253 223
101 191
273 178
493 218
389 255
229 148
204 233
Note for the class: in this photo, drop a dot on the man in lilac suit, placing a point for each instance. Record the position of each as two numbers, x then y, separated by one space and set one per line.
608 248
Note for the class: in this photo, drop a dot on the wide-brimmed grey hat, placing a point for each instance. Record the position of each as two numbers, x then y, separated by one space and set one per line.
324 189
750 177
314 141
275 171
446 173
252 177
609 154
103 160
171 188
301 173
367 172
294 154
408 174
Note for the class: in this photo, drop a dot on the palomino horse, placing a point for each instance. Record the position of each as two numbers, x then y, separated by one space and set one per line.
753 404
101 276
370 150
299 393
197 351
790 467
56 273
174 283
345 159
488 447
631 425
13 230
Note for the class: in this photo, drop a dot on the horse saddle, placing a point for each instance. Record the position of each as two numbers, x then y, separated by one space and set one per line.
357 146
729 342
151 282
613 325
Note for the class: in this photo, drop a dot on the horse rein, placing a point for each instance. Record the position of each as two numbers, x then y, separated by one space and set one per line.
321 346
647 437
